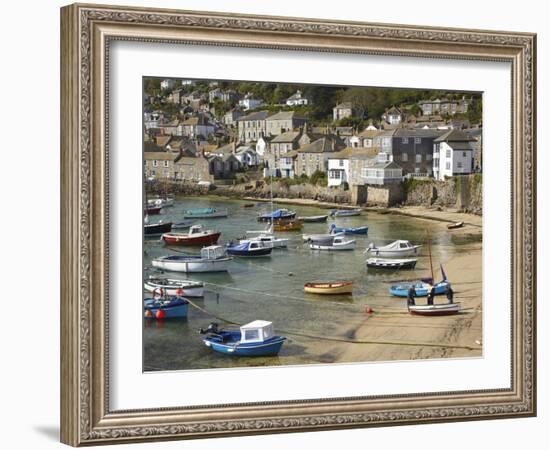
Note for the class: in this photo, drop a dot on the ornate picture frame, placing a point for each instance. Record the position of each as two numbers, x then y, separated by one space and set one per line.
86 34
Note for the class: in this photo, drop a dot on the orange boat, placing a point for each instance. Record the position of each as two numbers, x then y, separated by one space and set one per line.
293 225
330 288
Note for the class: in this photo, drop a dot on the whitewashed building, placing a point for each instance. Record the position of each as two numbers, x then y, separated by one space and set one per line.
297 99
249 102
453 154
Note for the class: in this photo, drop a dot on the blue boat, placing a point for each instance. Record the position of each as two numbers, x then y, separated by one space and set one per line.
249 248
253 339
422 287
204 213
279 214
346 212
350 230
165 308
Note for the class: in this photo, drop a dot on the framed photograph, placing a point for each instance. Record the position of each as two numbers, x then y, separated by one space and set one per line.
276 224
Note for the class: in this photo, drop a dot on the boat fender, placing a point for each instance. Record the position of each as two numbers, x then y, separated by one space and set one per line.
368 309
148 314
160 314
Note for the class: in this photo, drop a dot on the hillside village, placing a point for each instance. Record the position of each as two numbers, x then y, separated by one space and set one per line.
214 132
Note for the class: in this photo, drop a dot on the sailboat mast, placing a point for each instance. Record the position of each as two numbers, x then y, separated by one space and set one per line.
430 253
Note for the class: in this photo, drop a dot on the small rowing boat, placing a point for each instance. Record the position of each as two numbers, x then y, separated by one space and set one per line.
167 286
253 339
249 205
313 219
250 248
195 236
152 210
279 214
381 263
349 230
444 309
421 288
346 212
396 248
329 288
293 225
339 243
204 213
211 259
455 225
269 240
165 308
186 224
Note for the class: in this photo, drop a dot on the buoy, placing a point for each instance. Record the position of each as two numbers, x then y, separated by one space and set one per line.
160 314
148 313
368 310
290 274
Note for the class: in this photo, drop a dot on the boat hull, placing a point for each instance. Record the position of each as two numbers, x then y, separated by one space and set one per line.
268 218
157 229
193 265
185 290
346 213
374 263
393 253
184 239
358 230
264 251
176 309
421 289
435 310
335 247
266 348
314 219
328 288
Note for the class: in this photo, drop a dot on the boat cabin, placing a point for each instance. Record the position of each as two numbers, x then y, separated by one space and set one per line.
257 331
213 252
195 229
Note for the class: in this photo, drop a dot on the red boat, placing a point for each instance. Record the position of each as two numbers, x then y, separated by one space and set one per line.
196 236
152 210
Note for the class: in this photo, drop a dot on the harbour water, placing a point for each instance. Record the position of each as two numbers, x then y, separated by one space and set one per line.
271 288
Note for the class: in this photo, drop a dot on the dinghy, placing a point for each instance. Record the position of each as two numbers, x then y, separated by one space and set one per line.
279 214
350 230
152 210
455 225
185 225
339 243
293 225
444 309
253 339
320 238
167 286
329 288
381 263
165 308
269 240
195 236
157 229
346 212
249 249
396 248
211 259
204 213
421 288
313 219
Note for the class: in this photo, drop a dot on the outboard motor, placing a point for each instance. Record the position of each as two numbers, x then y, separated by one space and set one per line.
212 328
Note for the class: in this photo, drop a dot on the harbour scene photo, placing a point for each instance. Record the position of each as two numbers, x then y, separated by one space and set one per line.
293 224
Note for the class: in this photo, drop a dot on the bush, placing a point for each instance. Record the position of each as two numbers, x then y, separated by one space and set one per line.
319 178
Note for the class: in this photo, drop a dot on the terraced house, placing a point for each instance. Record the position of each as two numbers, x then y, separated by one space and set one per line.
283 121
252 126
314 156
181 166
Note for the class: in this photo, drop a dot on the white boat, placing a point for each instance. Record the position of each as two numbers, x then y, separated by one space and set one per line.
396 248
181 288
320 238
337 244
268 241
443 309
381 263
162 202
211 259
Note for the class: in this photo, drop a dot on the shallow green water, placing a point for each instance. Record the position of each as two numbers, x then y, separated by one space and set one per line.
271 288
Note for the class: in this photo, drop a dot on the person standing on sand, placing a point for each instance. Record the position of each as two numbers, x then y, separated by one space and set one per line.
410 296
431 296
449 293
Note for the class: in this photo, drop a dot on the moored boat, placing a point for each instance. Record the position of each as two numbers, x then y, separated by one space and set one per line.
165 308
381 263
329 287
455 225
443 309
313 219
396 248
292 225
184 225
157 229
249 249
211 259
269 240
279 214
249 205
152 210
346 212
320 238
339 243
348 230
253 339
421 288
167 286
195 236
204 213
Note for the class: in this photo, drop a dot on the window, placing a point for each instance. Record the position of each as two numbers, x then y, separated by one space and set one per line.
429 157
251 335
155 163
418 158
405 140
341 163
404 157
448 165
464 154
417 140
459 165
165 163
448 153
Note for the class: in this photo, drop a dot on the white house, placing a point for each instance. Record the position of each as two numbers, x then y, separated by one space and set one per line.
286 165
262 146
167 84
249 102
338 168
453 154
247 156
297 99
393 116
196 126
385 171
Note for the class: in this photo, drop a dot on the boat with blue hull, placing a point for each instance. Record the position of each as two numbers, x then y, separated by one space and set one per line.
253 339
204 213
350 230
277 215
165 308
421 288
249 248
